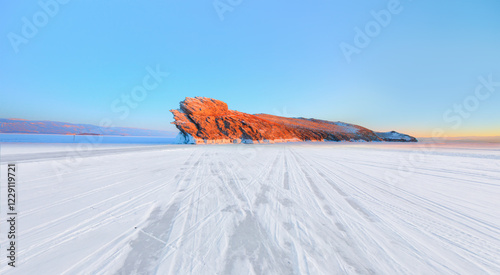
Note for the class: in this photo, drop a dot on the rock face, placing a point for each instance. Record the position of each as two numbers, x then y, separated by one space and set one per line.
206 120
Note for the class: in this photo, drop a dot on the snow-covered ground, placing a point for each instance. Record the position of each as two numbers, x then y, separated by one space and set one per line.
303 208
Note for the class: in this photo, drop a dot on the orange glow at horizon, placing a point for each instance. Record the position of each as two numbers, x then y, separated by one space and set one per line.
454 133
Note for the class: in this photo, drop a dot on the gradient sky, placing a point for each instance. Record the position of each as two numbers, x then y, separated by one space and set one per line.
281 57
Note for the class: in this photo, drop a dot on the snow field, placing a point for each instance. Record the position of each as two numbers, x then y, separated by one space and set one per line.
301 208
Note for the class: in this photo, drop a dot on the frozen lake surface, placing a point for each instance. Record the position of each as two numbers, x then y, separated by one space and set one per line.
301 208
92 139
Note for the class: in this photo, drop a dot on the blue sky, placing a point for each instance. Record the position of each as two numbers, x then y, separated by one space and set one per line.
278 57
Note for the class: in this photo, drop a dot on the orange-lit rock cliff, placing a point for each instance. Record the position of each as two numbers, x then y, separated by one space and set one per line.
207 120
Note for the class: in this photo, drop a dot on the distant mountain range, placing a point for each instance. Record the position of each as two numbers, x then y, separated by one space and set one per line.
21 126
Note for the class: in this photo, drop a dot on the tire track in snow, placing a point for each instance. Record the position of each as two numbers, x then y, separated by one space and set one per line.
120 208
187 232
194 229
148 246
349 257
262 252
352 241
327 209
356 172
98 204
428 208
424 220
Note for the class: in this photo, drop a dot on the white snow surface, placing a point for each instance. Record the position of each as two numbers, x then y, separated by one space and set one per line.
299 208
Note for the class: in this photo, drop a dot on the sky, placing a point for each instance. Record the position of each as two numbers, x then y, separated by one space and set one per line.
417 67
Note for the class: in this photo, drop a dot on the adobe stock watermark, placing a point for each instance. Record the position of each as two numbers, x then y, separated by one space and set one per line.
31 26
283 113
121 106
223 6
471 103
139 93
454 117
363 36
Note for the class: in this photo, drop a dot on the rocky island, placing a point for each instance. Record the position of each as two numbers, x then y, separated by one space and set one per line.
207 120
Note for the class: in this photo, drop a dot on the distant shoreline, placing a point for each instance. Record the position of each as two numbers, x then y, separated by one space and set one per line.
83 138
